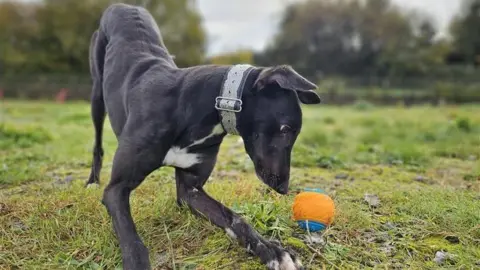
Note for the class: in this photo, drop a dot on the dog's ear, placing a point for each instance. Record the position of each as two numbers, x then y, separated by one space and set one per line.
287 78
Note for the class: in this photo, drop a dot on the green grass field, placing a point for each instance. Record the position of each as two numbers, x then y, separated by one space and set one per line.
422 163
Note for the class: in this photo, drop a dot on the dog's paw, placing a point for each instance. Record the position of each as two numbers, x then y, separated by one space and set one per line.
277 258
93 186
286 262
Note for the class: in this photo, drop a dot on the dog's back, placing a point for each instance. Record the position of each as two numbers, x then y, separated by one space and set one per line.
126 50
133 36
132 24
135 26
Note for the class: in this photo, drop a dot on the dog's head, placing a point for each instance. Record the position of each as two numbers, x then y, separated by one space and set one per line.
271 121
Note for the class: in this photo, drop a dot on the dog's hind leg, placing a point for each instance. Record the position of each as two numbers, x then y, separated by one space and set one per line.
97 55
190 192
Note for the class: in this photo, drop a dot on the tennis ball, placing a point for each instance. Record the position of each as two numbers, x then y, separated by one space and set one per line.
313 210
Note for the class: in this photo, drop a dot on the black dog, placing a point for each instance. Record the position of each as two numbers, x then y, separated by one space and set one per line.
163 115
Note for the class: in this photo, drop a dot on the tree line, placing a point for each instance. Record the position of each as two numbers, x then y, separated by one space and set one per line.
373 38
365 39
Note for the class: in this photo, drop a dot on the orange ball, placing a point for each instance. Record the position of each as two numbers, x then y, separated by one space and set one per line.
313 210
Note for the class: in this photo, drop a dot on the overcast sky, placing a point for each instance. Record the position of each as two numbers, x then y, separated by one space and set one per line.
234 24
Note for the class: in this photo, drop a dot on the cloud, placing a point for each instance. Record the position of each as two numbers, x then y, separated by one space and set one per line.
237 24
234 24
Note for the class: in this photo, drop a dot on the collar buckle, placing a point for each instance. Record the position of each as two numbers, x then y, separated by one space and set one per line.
228 104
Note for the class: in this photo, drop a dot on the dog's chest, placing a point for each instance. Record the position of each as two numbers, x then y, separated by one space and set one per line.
182 158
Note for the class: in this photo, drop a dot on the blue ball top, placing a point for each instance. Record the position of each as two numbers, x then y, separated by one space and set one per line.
317 190
311 226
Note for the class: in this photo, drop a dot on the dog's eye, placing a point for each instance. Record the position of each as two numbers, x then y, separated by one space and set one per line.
285 129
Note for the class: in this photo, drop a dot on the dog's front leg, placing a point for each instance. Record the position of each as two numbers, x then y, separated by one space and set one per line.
133 161
189 191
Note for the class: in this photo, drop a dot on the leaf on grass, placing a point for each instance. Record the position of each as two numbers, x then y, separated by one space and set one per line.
341 176
441 256
372 200
389 249
59 182
68 179
420 178
4 209
315 239
18 224
423 179
161 259
389 226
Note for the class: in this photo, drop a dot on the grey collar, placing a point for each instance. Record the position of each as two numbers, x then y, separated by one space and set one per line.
229 102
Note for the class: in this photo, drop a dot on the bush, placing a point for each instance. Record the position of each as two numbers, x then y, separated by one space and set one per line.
23 137
363 105
457 92
464 124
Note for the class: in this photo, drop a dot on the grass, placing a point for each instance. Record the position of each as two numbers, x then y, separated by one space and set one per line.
421 162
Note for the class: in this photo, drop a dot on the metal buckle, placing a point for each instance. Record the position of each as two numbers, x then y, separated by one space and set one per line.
217 103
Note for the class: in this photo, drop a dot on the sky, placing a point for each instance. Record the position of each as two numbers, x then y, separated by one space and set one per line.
236 24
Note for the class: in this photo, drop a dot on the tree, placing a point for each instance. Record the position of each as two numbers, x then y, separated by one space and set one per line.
54 35
181 27
233 58
349 37
17 26
465 30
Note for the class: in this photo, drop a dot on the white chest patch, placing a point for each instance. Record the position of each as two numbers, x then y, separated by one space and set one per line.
180 158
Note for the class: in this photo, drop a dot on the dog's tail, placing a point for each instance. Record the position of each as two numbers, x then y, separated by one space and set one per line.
97 58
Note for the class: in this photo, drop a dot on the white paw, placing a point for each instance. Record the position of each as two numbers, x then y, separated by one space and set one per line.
93 186
286 263
231 233
289 264
273 265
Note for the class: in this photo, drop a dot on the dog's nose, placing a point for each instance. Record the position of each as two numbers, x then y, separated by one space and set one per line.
282 188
